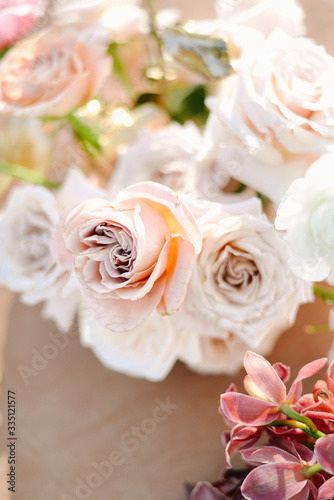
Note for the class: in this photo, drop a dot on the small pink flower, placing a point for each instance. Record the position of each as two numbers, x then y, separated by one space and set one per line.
279 474
267 392
319 406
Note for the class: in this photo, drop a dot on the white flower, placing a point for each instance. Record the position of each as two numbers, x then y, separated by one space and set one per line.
277 112
241 283
29 267
166 155
147 351
118 20
307 215
286 89
247 21
211 355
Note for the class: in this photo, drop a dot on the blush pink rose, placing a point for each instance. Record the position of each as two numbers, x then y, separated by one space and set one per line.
17 18
133 255
51 73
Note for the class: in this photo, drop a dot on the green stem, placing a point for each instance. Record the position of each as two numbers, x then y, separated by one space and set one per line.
312 329
86 135
26 174
120 70
291 413
311 470
326 295
154 31
297 425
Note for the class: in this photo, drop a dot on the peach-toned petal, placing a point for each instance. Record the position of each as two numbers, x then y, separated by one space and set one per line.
178 275
177 215
121 315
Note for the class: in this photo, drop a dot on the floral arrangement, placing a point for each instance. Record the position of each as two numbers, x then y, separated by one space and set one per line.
174 185
297 458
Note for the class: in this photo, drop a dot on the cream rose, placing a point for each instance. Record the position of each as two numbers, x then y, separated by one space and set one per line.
51 73
133 255
166 155
28 265
307 215
276 113
286 91
148 351
241 283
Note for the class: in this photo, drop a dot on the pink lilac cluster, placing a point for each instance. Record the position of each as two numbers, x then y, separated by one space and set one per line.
296 460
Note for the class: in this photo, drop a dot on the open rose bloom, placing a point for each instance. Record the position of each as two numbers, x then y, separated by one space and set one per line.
51 73
133 255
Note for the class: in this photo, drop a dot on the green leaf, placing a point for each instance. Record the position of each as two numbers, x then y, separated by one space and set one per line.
26 174
188 104
88 137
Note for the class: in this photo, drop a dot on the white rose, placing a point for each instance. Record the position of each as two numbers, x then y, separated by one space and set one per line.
246 21
147 351
166 155
278 112
307 215
211 355
241 283
286 90
118 20
29 267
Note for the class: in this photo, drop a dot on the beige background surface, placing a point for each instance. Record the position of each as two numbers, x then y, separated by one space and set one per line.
73 412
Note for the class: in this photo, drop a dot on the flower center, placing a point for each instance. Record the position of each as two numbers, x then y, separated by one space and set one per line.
235 269
121 250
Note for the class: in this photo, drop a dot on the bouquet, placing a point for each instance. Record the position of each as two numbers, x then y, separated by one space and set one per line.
173 185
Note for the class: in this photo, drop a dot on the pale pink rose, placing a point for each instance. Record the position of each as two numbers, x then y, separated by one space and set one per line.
133 255
51 73
17 18
277 113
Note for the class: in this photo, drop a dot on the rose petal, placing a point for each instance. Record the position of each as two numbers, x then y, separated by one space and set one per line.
179 270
